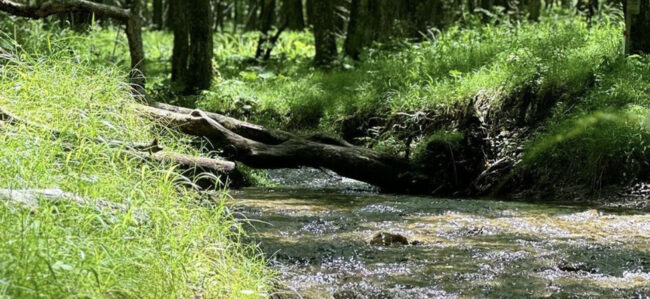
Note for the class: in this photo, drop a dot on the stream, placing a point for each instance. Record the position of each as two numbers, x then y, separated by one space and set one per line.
319 239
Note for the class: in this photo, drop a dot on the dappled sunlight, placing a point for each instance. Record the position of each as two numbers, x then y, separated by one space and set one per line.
320 241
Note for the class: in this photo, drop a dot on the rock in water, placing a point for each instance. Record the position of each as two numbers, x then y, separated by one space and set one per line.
388 239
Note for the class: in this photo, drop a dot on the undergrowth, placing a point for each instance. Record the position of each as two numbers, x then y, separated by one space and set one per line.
187 246
594 131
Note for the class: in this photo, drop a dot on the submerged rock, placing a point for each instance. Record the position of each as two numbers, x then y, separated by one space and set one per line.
388 239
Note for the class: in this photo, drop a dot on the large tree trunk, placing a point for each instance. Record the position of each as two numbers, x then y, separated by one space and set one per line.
258 147
324 32
637 31
292 12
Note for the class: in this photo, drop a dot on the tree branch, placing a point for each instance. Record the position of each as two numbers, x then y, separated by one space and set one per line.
64 6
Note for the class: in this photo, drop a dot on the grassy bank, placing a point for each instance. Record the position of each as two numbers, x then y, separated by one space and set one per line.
186 246
583 104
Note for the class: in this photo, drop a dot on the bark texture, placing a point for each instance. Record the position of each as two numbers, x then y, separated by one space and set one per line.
192 52
260 148
324 32
638 28
293 14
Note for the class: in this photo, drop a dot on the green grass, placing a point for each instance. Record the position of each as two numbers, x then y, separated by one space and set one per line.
187 248
595 124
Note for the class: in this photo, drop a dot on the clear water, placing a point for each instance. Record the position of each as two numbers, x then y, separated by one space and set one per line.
318 241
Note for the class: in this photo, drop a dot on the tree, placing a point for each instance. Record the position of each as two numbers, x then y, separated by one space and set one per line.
192 52
637 23
292 11
359 29
324 32
158 8
532 8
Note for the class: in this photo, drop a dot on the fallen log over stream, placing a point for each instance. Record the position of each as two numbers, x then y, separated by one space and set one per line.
263 148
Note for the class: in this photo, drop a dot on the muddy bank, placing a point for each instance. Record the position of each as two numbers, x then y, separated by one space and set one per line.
320 243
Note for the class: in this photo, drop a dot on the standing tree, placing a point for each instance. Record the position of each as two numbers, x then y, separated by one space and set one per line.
293 14
637 26
158 8
324 32
192 53
359 29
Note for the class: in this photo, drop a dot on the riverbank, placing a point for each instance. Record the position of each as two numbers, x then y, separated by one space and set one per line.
81 215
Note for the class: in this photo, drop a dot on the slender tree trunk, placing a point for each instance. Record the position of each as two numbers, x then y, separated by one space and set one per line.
236 17
266 22
181 51
251 18
359 30
324 32
309 4
158 9
134 38
293 14
637 20
199 73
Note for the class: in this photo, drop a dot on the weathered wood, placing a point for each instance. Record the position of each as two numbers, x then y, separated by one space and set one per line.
390 173
65 6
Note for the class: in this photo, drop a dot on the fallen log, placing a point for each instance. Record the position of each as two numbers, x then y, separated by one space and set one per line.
262 148
195 167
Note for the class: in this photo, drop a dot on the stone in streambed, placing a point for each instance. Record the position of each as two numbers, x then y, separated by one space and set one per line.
388 239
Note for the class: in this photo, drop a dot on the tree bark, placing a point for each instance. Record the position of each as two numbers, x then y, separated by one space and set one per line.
192 52
251 18
293 14
201 50
158 9
181 50
324 32
359 32
637 21
265 23
247 143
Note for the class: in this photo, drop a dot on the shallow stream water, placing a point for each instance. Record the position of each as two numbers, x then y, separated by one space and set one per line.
319 242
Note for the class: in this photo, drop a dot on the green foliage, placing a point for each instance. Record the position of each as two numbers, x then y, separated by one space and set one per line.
601 137
188 245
